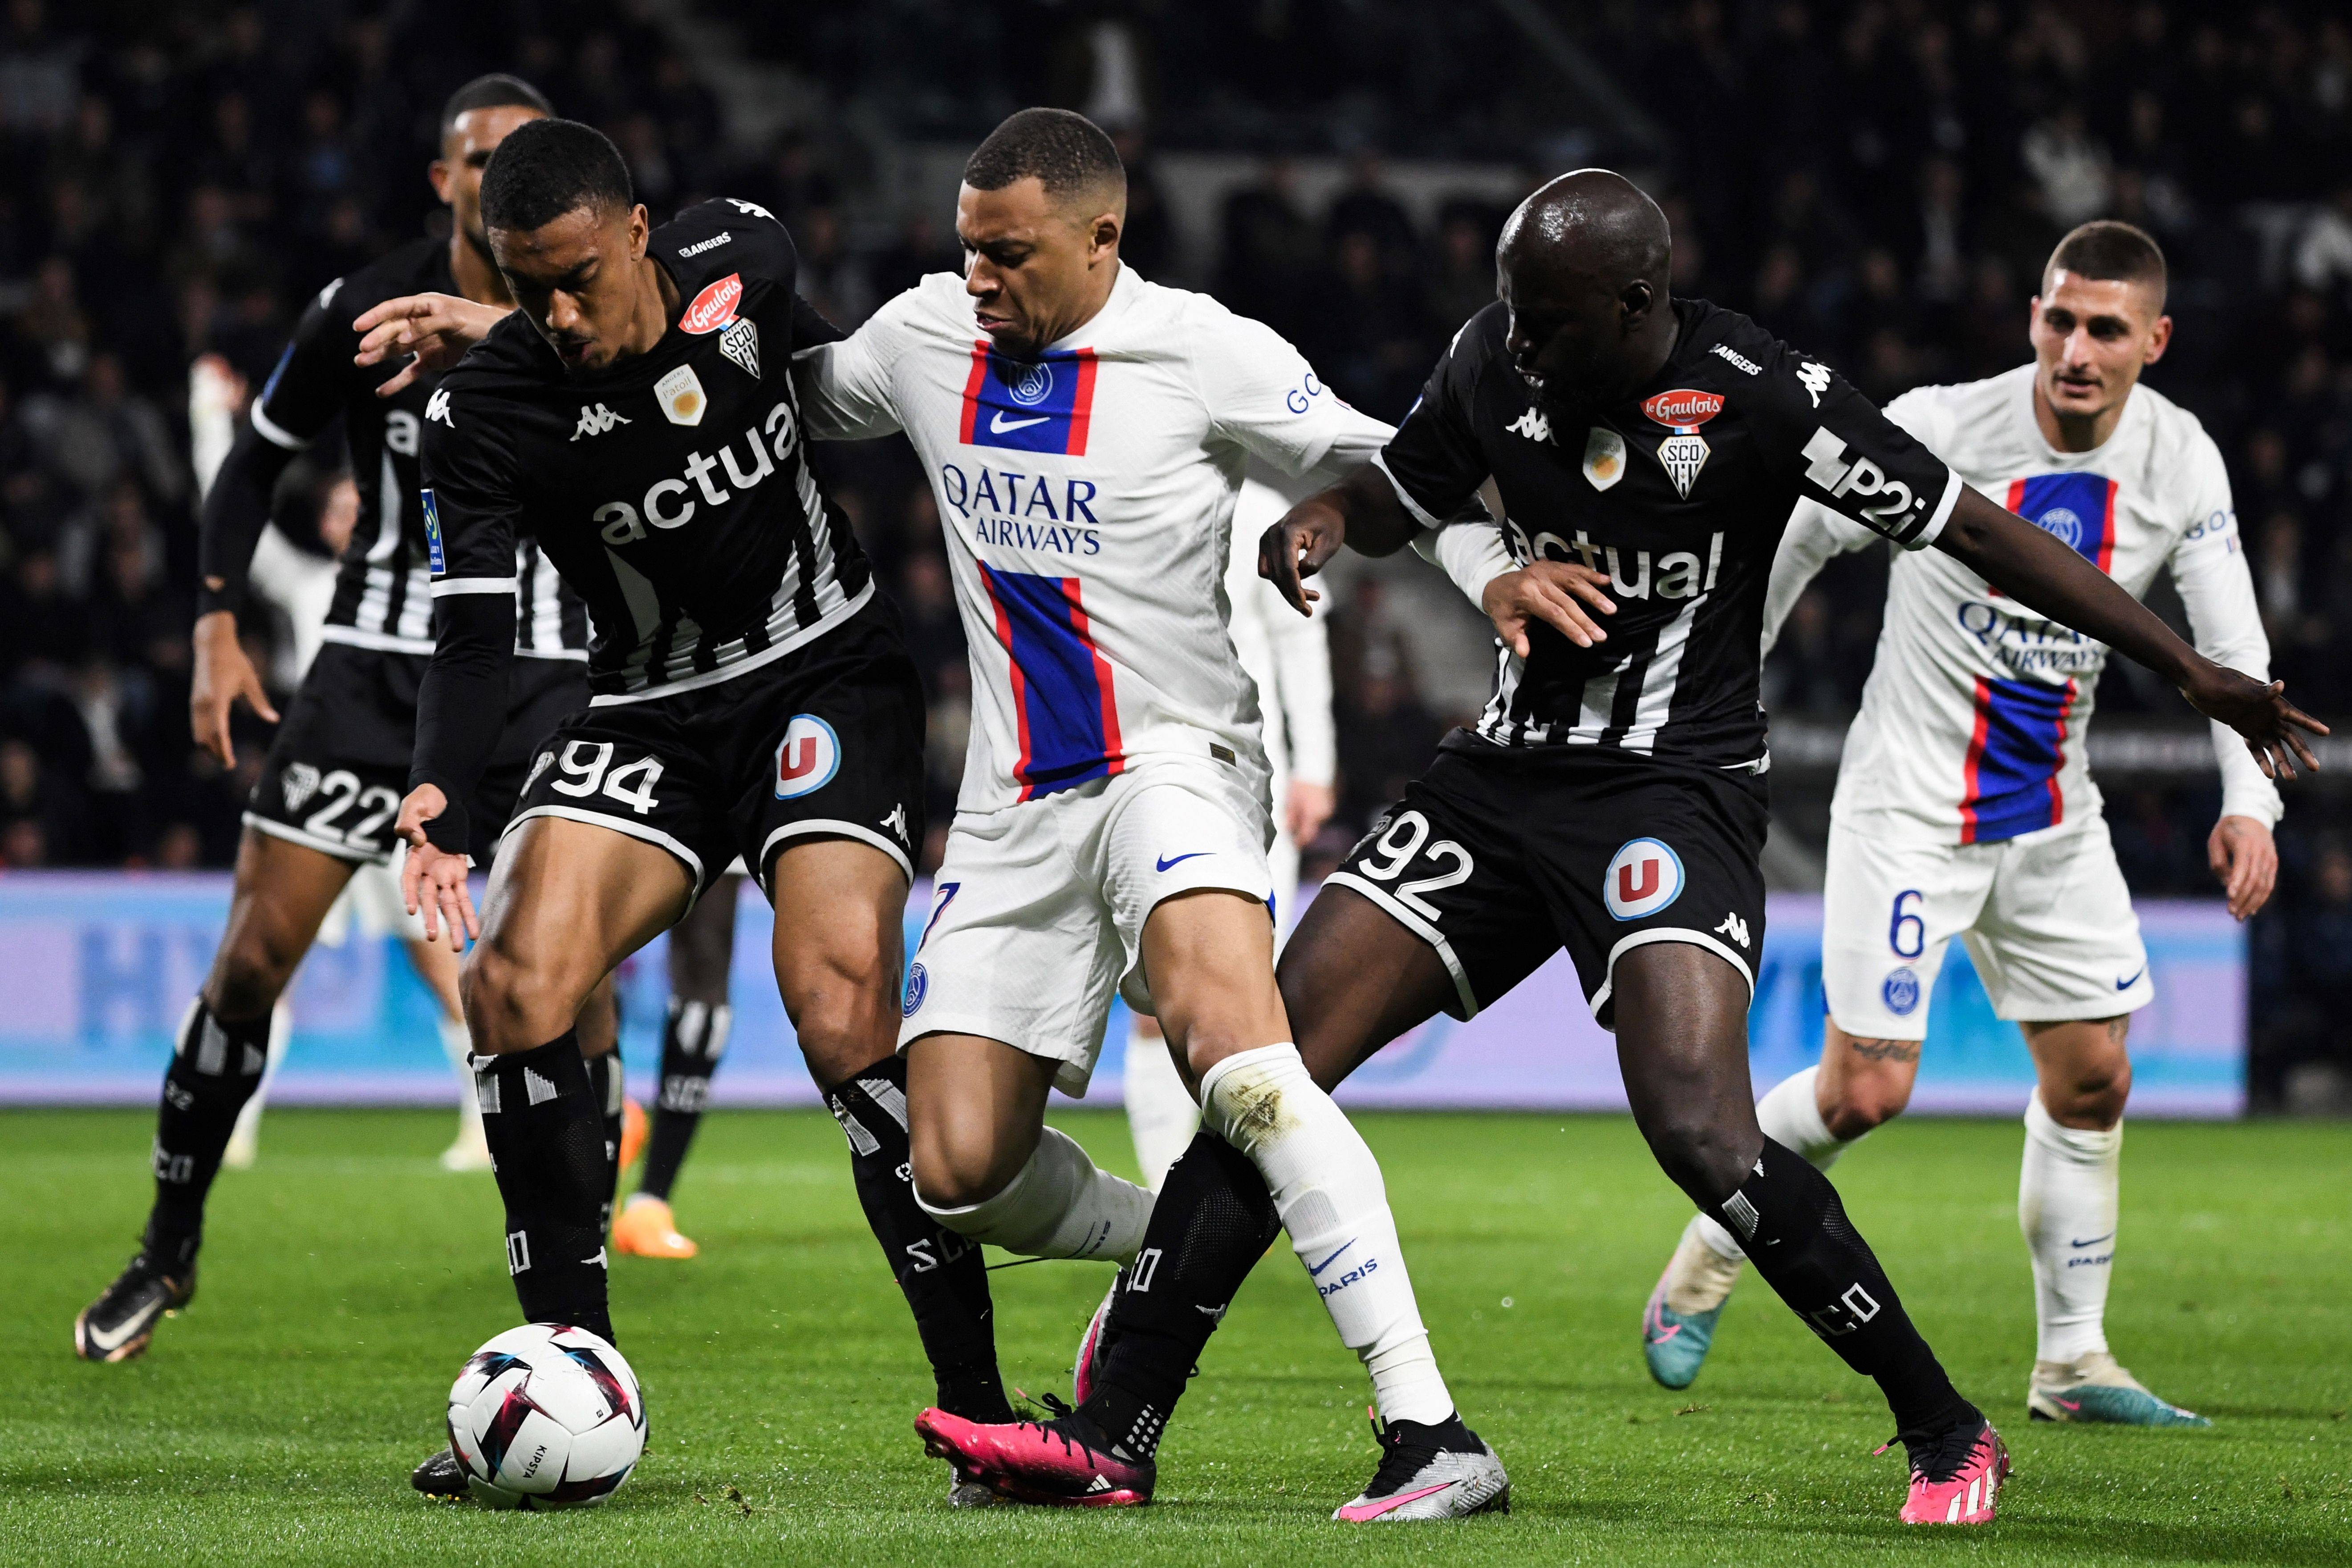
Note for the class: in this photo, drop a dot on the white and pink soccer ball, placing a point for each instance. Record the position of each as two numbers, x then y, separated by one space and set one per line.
546 1415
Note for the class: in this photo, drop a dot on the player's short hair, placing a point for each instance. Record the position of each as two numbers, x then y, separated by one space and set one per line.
2108 249
546 168
1066 152
496 90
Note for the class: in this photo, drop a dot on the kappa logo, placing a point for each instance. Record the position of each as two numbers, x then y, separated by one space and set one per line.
1814 379
750 209
596 419
299 783
807 757
715 307
1642 878
1533 425
438 407
1734 927
740 342
896 822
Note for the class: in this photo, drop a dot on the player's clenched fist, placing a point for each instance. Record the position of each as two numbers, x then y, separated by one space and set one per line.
433 881
1295 548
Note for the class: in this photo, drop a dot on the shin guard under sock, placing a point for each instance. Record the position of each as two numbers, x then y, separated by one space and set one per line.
941 1273
547 1139
1215 1219
215 1066
692 1042
1788 1218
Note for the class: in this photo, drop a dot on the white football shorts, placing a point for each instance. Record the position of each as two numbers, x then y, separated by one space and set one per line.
2047 918
1037 910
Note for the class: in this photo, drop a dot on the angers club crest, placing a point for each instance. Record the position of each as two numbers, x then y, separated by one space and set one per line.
1684 453
740 342
298 784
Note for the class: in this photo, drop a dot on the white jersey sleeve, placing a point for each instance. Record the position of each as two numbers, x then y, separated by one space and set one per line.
2209 568
1288 654
844 387
1264 397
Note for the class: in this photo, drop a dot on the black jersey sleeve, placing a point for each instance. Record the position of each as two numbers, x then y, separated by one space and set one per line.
472 507
236 510
1435 460
1838 448
312 377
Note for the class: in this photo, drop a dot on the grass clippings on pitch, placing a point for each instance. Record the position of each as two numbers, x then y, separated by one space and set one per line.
346 1276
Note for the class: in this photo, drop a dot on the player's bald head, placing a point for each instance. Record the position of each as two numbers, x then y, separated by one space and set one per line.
1590 227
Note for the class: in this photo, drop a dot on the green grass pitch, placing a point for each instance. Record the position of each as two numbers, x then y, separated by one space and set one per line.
346 1276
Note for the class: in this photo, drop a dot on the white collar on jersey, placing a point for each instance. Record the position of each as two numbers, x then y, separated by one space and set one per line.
1125 289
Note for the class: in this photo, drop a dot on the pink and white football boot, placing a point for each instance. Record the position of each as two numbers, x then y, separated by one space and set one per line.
1956 1475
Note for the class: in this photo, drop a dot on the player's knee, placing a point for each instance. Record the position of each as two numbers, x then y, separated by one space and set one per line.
842 1013
956 1172
2092 1095
1702 1155
512 1006
1861 1104
250 974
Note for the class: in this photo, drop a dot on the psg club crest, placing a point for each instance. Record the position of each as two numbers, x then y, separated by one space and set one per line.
1684 453
807 757
1604 456
681 396
1643 878
1044 404
1901 991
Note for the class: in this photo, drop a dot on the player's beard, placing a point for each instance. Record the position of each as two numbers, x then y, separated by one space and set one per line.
478 240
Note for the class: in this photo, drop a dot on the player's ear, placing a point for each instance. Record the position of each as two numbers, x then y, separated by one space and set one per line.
2159 338
1102 235
641 230
438 172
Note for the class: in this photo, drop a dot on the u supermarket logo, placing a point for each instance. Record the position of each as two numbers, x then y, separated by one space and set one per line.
807 757
1643 878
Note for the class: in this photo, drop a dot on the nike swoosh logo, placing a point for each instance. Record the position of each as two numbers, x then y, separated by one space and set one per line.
2093 1241
1316 1268
2126 982
1167 860
1358 1512
1000 425
114 1340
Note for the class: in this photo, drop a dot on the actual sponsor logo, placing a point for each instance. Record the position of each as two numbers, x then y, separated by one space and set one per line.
1604 456
807 757
1642 878
740 342
298 784
1684 453
671 504
715 307
918 985
1901 991
680 394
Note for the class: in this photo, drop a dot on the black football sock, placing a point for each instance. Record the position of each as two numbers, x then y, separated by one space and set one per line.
215 1066
546 1130
1213 1221
1788 1217
610 1093
941 1273
692 1042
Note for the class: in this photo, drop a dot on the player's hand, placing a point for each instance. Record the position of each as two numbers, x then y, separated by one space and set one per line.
222 675
1305 807
2245 859
1294 549
1557 593
432 331
2261 715
432 881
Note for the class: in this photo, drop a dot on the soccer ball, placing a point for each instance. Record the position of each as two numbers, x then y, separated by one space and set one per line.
546 1415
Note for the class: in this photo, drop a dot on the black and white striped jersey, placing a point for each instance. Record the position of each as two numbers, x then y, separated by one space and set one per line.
672 489
382 590
1680 493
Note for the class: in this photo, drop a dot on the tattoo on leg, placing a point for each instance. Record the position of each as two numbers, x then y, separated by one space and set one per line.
1888 1050
2117 1028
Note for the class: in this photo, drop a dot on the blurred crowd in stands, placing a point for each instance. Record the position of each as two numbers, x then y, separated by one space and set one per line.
1878 181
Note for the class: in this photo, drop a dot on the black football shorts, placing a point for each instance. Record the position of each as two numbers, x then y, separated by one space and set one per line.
824 741
1499 858
338 767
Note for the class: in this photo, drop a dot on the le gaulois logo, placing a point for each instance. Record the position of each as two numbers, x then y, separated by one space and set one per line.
715 308
1684 453
1683 409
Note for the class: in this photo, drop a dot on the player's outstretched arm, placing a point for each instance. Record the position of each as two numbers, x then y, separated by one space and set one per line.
2043 574
431 332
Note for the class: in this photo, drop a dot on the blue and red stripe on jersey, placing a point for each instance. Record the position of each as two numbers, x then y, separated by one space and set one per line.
2014 757
2078 510
1044 404
1063 698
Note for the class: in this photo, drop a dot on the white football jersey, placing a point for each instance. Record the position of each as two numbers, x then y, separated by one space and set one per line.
1972 722
1087 496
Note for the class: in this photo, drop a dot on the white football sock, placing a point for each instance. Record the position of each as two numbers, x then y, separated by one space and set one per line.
1061 1205
2067 1195
459 1046
1159 1110
245 1138
1327 1187
1790 1115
